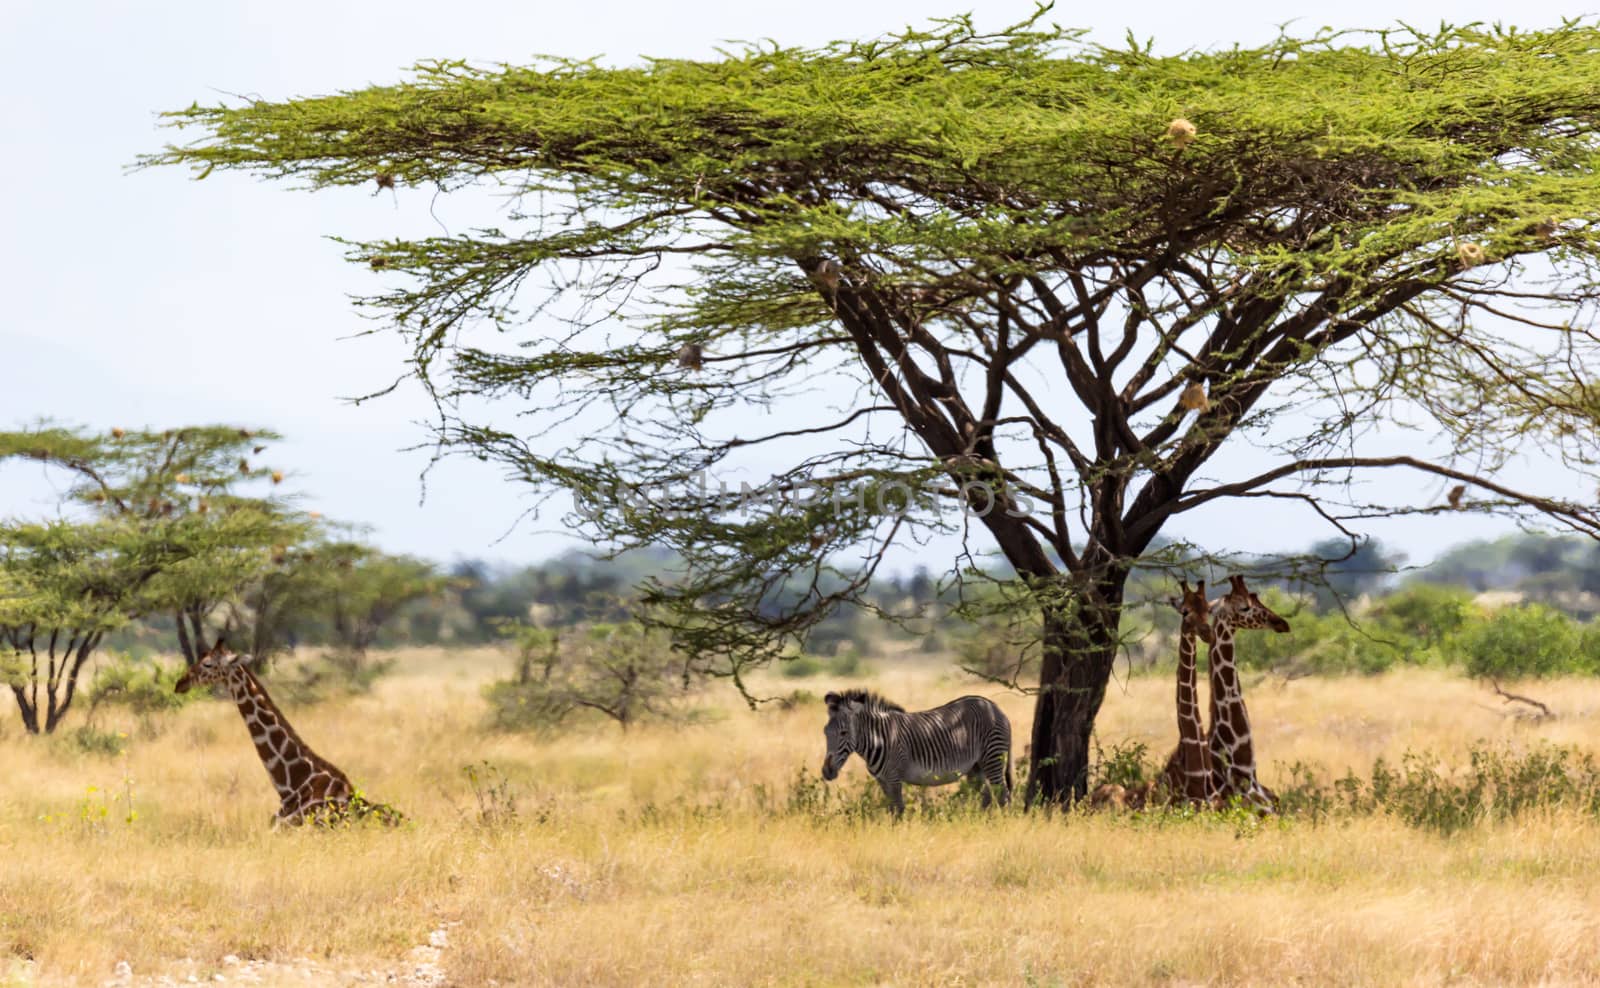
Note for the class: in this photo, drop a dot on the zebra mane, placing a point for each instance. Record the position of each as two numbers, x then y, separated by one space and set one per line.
872 700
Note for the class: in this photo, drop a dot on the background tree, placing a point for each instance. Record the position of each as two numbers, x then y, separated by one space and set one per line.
63 588
364 589
624 671
1346 569
183 482
1562 572
283 600
1023 269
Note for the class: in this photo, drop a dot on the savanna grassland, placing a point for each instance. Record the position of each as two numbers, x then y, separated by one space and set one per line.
697 853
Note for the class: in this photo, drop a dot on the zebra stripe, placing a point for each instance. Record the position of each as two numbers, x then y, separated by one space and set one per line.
969 736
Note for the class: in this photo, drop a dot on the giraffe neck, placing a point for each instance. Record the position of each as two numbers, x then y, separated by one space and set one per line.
1233 760
287 759
1219 688
1192 759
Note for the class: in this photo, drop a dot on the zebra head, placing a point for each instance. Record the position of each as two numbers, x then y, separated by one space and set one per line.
852 727
839 733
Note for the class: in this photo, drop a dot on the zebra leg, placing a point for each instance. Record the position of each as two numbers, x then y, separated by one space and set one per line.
978 775
897 801
1000 770
994 781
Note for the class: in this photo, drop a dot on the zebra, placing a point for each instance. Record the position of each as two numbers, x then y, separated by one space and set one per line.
967 736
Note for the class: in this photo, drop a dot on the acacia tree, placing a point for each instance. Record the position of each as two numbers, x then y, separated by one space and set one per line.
365 589
63 588
1018 268
625 671
183 486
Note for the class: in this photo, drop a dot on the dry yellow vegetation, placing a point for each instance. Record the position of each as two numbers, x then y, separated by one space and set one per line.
647 858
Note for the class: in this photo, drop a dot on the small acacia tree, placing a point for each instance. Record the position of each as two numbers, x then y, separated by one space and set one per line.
183 483
365 589
326 584
154 524
1023 269
624 671
63 588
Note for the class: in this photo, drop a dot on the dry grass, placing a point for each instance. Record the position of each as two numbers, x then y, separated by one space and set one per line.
609 875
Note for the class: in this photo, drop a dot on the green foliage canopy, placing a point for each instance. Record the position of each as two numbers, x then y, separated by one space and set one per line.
364 589
64 587
154 524
187 484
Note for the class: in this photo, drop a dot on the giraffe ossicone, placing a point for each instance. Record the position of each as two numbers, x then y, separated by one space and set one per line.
310 788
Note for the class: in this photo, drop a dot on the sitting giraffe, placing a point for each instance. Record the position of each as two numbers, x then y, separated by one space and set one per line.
309 785
1187 779
1233 759
1187 776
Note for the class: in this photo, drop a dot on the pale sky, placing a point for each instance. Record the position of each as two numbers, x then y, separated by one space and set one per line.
148 299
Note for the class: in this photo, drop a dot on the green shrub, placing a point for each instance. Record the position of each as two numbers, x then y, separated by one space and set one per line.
142 686
531 700
516 705
1302 794
1127 764
994 631
91 740
797 698
621 670
1326 644
327 677
1425 614
1526 640
1589 647
1497 784
847 663
801 666
997 661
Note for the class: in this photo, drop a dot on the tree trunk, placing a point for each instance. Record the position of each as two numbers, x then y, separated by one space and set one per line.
30 711
53 718
1080 646
78 657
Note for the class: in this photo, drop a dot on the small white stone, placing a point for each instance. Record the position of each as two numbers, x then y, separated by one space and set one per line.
230 960
123 969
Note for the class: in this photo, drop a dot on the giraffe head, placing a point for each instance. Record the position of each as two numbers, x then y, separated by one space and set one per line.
211 667
1195 611
1241 608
